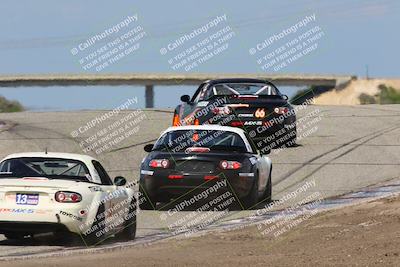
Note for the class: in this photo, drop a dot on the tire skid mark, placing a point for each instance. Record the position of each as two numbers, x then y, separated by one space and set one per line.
130 146
332 151
370 137
16 131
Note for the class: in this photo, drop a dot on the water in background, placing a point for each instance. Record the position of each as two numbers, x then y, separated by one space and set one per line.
60 98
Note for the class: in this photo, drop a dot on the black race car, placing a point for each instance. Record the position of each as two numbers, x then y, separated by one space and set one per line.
255 105
190 159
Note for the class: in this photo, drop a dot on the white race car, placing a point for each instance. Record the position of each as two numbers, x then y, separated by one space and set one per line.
64 193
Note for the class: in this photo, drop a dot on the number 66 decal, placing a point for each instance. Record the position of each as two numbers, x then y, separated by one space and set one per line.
260 113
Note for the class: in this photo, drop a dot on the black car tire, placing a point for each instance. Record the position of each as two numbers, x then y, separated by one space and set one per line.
251 199
267 196
15 236
65 238
164 199
148 203
99 226
129 231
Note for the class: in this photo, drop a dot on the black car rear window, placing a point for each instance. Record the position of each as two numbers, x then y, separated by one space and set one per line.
244 89
180 140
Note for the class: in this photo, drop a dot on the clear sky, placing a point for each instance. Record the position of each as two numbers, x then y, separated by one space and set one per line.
37 37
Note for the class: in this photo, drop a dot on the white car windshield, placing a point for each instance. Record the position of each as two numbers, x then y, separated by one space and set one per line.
51 168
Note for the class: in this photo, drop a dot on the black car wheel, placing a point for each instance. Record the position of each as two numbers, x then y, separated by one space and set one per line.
97 230
145 201
251 199
129 231
15 236
165 198
267 196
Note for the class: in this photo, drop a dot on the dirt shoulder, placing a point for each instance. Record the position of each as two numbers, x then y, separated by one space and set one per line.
349 94
366 234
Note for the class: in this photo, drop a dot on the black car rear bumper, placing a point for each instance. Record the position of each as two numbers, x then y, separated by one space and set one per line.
159 185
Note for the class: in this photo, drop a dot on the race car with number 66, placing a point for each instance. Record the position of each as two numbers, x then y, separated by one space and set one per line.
254 105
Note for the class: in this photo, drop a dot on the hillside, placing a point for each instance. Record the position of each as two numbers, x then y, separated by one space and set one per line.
350 93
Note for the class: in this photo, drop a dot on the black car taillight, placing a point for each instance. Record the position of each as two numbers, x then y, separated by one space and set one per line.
281 110
159 163
230 165
221 110
68 197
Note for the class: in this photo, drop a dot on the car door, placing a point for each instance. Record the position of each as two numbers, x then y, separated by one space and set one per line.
115 194
263 163
108 188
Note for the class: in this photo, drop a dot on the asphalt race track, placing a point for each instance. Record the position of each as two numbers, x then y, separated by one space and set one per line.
344 148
